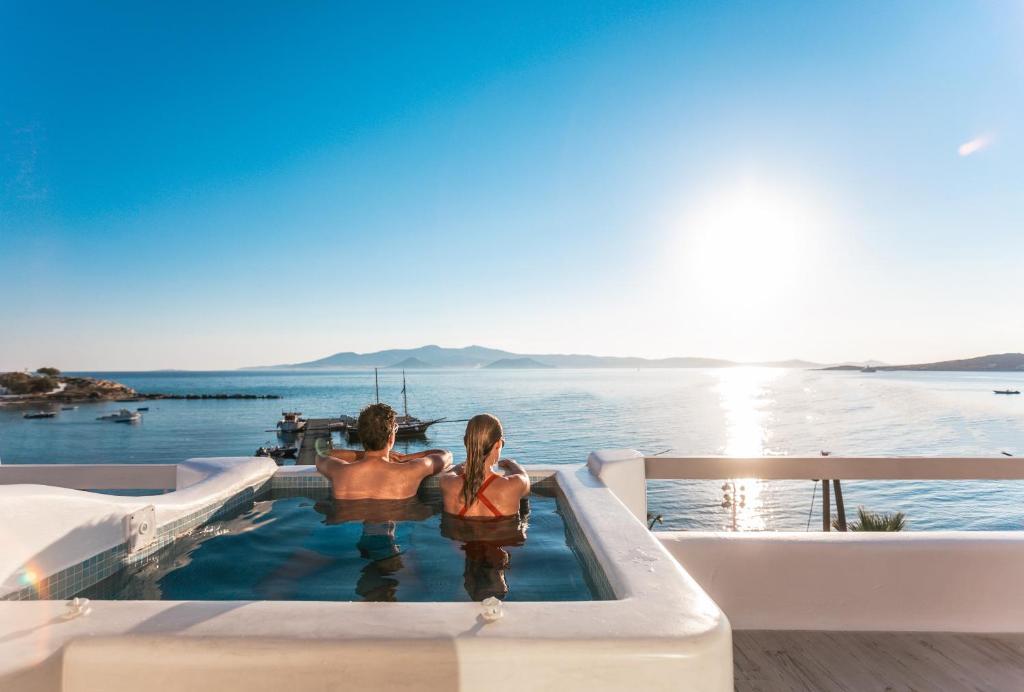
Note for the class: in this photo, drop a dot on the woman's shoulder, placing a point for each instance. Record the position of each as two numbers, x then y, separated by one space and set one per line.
449 479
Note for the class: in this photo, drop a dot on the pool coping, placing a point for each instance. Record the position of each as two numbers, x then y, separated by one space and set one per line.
660 614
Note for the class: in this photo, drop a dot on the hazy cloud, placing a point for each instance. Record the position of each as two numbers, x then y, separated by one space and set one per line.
973 146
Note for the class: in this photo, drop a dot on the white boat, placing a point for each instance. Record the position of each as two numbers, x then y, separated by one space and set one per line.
291 422
122 416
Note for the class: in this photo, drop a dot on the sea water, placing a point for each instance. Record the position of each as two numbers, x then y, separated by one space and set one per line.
555 417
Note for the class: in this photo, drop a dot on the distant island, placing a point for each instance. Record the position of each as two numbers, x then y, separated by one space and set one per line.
1001 362
410 363
517 364
481 357
434 356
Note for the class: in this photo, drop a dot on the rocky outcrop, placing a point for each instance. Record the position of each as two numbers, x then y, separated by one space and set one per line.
89 389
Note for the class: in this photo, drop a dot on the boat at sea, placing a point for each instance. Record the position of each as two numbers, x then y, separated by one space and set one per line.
68 408
40 414
122 416
868 368
1006 391
277 453
409 427
291 422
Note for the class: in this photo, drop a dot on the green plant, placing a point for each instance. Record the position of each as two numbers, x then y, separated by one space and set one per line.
49 372
878 521
22 383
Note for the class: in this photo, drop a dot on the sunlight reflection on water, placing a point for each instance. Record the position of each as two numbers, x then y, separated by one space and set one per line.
746 403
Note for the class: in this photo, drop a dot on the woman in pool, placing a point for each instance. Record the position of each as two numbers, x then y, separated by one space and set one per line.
477 489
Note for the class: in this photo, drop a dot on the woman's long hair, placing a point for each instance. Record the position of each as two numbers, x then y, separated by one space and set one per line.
482 433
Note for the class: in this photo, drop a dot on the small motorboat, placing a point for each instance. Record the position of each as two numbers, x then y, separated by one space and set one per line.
1006 391
277 453
40 414
68 408
122 416
291 422
142 408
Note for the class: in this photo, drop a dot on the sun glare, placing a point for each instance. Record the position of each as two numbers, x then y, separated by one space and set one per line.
745 246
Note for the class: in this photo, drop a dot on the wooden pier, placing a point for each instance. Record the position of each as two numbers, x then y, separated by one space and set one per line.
315 429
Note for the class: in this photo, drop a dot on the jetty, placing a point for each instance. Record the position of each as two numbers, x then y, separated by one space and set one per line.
316 429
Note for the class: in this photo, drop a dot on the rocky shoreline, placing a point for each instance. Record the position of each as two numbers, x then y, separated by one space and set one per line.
81 390
192 397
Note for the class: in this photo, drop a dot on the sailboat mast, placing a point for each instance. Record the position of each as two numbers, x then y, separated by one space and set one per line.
376 385
405 397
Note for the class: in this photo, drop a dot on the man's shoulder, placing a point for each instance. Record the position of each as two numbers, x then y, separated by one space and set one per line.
341 468
421 465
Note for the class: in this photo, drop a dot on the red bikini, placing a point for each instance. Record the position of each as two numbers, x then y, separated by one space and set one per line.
480 496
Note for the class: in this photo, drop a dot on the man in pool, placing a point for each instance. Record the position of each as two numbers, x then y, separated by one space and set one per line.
379 473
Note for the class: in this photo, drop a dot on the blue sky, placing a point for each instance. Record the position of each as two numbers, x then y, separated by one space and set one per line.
209 185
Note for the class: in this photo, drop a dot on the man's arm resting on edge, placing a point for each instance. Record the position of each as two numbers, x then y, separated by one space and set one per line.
335 458
435 460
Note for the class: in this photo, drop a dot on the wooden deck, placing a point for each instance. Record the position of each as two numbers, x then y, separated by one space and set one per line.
818 661
316 428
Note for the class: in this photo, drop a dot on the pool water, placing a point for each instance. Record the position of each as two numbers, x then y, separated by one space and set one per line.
302 548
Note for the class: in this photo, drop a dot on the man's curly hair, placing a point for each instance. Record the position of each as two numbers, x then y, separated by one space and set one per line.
376 422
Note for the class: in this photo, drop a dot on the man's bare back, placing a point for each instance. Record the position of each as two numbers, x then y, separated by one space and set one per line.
380 475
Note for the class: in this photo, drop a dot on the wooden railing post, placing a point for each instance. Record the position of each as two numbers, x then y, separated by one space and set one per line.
840 507
826 507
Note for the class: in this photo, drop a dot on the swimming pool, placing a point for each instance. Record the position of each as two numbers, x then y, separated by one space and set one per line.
306 547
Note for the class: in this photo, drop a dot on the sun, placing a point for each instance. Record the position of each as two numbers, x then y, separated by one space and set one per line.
745 246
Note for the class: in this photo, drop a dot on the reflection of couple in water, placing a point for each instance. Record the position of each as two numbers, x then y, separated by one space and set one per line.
484 544
377 544
481 499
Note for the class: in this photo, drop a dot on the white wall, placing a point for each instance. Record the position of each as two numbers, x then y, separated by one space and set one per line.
934 581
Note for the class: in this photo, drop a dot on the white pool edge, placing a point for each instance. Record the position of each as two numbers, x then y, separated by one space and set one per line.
663 632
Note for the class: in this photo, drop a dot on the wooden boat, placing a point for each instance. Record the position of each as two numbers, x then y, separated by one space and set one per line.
40 414
1006 391
409 427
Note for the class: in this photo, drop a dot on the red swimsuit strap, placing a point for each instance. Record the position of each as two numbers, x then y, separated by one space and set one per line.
482 498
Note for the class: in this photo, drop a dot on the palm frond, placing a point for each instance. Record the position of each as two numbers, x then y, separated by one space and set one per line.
879 521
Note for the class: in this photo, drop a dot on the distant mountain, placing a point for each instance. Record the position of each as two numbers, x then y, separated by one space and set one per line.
795 363
1002 362
517 364
433 356
411 363
478 356
862 364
